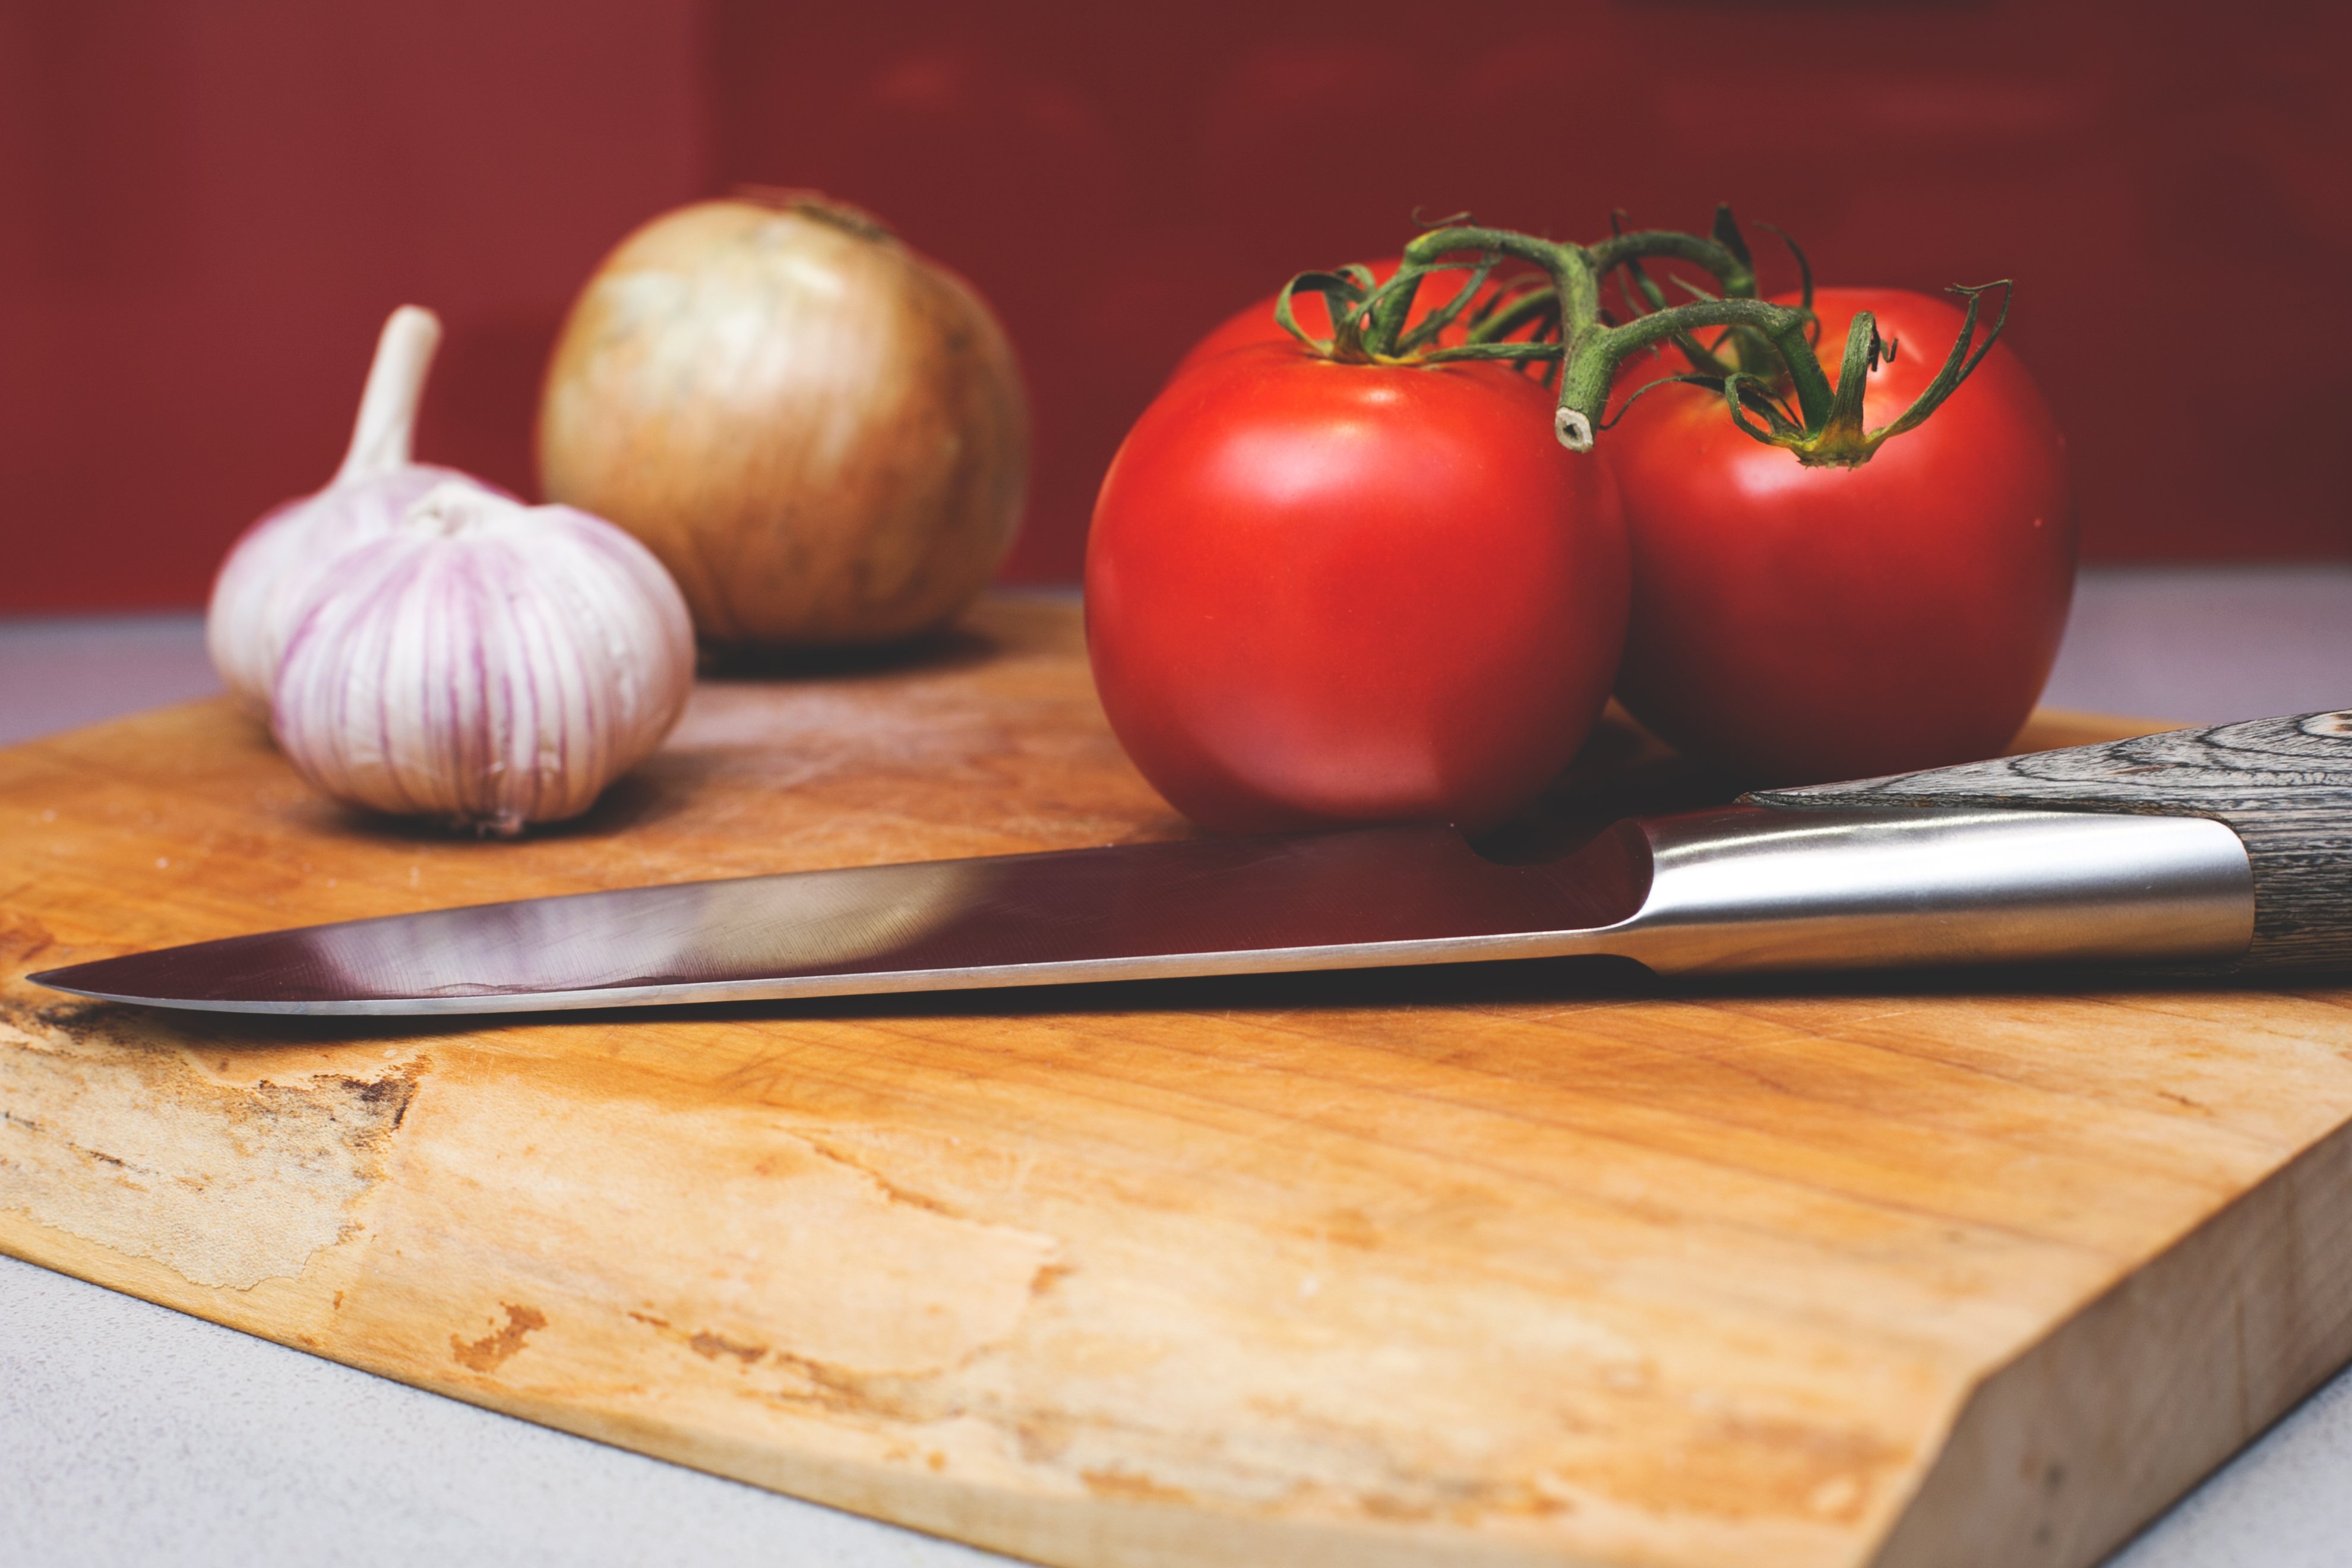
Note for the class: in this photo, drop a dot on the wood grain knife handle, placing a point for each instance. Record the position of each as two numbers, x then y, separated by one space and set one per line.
2284 786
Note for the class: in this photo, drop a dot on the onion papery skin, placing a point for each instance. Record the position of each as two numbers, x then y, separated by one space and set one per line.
487 663
821 434
266 581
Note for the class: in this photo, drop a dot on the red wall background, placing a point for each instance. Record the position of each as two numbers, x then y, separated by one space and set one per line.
206 208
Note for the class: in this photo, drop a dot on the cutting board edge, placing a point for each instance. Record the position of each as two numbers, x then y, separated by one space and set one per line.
1093 1531
1075 1531
2188 1329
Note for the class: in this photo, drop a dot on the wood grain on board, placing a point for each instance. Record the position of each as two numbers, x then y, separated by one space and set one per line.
1531 1263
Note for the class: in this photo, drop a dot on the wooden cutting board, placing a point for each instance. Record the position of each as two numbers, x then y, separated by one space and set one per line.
1536 1263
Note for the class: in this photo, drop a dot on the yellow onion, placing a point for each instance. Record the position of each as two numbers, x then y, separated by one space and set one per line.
819 432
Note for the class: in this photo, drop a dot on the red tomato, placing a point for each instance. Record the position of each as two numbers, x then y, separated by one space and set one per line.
1322 594
1256 323
1799 623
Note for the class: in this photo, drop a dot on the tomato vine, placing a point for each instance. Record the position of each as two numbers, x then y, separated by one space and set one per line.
1774 372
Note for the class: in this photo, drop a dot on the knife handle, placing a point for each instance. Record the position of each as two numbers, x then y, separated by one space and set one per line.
2282 786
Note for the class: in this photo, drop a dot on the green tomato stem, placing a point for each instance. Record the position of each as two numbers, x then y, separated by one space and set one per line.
1735 277
1370 326
1591 367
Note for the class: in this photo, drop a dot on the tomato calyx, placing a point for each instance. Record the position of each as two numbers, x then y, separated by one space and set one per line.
1840 440
1555 324
1489 317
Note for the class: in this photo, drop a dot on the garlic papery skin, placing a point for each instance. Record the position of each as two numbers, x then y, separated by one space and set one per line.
486 663
269 574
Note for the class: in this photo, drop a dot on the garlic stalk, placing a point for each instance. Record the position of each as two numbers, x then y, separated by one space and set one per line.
486 663
271 571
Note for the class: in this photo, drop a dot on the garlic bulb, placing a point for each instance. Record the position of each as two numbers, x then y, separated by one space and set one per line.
274 566
487 663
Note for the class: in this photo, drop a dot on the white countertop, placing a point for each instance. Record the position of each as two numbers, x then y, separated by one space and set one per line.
133 1435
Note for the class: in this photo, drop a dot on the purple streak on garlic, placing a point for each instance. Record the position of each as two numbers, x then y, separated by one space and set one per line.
486 663
273 567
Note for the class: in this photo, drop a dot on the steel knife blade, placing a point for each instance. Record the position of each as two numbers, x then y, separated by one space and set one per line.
1740 887
2226 848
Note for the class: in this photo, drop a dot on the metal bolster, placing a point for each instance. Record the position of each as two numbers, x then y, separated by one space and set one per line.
1751 888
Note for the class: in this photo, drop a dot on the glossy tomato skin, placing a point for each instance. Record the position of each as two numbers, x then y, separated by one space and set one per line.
1800 624
1321 595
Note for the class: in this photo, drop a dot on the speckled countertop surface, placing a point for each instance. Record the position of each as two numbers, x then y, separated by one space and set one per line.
132 1434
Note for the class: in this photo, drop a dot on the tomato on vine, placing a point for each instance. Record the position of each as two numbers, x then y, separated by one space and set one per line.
1355 578
1321 593
1797 621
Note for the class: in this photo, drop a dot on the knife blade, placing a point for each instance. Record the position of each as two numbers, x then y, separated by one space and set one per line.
2221 848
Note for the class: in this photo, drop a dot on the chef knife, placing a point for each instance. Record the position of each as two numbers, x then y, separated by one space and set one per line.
2226 848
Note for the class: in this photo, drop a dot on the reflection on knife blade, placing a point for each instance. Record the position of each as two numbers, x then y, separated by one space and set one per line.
1742 887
